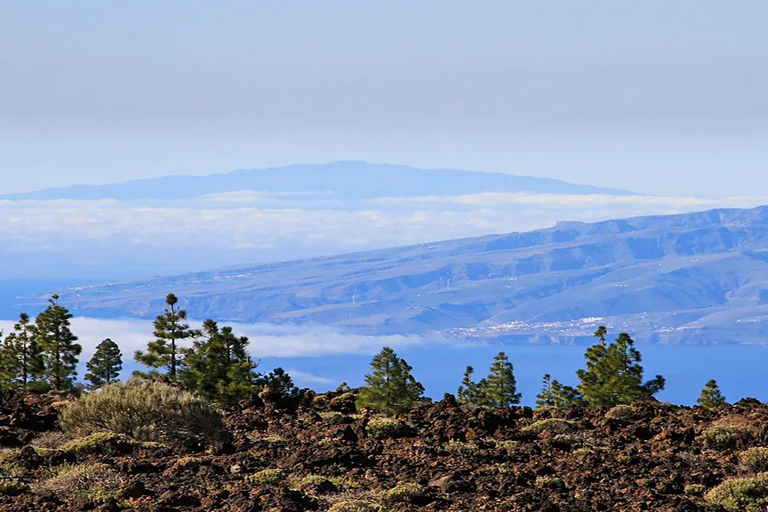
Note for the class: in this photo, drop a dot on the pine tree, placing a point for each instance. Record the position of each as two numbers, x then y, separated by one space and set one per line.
219 367
711 398
565 396
105 365
280 380
614 374
546 398
468 392
57 345
390 387
499 389
21 363
164 351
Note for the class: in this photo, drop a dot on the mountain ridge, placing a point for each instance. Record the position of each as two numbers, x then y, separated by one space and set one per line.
679 278
348 179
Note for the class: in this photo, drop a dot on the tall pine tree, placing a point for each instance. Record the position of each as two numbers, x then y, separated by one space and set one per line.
219 367
105 365
21 363
468 392
499 388
614 374
390 387
57 345
164 352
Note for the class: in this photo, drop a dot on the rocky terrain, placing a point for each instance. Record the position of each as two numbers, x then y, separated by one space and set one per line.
316 452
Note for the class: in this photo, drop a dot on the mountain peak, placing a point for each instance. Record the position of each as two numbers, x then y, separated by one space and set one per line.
342 179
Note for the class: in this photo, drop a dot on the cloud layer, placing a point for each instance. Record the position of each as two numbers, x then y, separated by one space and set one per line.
266 340
110 240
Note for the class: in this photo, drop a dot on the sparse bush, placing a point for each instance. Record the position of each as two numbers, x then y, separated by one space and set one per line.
267 477
404 493
741 494
11 477
256 438
50 440
355 506
754 460
318 481
722 437
552 483
550 426
506 445
459 448
620 413
146 411
385 428
97 482
694 490
100 442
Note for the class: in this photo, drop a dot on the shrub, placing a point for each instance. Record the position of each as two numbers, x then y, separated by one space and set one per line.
722 437
620 413
146 411
267 477
50 440
97 482
741 494
384 428
11 477
355 506
549 482
550 426
694 490
100 442
404 493
310 481
755 460
459 448
565 440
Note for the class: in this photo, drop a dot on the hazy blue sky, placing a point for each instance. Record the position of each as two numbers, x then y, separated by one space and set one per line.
655 96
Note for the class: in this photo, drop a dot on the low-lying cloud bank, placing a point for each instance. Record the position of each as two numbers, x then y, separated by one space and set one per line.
108 239
266 340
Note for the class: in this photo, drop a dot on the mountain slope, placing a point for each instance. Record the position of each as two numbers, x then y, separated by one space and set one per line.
350 180
699 277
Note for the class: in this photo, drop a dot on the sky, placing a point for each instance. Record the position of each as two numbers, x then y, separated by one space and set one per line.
657 97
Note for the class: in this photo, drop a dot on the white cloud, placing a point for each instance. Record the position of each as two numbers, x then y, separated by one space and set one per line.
304 378
266 340
110 239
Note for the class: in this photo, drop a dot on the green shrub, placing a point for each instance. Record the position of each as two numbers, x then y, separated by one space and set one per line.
97 482
620 413
755 460
310 481
552 483
459 448
722 437
355 506
11 477
146 411
694 490
404 493
267 477
550 426
741 494
100 442
385 428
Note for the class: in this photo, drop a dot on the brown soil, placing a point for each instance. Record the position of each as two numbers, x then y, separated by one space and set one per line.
457 458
